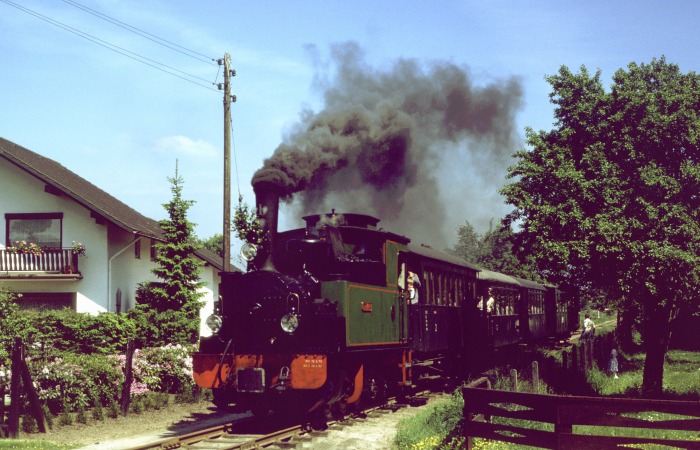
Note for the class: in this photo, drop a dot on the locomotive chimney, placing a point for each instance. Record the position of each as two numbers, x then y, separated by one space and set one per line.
267 197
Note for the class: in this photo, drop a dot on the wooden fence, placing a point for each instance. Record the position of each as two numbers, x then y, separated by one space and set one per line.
21 387
551 419
560 414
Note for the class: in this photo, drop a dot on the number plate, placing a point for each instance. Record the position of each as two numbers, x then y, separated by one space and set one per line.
250 379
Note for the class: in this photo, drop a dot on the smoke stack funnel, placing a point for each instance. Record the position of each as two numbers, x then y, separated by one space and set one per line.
268 191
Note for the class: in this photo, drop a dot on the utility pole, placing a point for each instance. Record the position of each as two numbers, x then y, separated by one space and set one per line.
228 99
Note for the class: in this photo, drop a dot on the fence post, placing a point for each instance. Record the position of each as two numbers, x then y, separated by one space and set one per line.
128 377
32 397
2 411
535 376
514 379
15 394
574 358
561 428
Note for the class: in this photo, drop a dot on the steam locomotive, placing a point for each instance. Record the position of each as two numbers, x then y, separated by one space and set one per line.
342 311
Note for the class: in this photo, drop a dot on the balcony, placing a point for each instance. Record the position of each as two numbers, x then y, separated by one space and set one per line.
50 264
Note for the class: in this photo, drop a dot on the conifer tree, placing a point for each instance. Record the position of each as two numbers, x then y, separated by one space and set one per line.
169 309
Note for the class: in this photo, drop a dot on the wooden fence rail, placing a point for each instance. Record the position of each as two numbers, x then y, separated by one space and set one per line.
564 413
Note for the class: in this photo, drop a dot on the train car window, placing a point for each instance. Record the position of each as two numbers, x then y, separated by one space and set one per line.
402 277
442 289
428 286
458 291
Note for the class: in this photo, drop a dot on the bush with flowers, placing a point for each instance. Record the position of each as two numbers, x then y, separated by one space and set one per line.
71 357
24 247
74 381
161 369
78 248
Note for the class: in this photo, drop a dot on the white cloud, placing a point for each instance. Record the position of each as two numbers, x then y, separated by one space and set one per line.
182 145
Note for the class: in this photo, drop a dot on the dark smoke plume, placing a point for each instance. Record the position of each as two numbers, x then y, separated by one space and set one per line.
423 149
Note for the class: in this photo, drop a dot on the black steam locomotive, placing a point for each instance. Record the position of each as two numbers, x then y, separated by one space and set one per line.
341 310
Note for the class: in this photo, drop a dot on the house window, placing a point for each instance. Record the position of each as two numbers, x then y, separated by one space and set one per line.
154 251
43 301
43 229
137 249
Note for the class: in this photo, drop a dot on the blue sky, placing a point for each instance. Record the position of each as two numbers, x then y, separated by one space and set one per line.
122 124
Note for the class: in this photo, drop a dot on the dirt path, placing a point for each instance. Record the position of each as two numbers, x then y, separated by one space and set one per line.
139 429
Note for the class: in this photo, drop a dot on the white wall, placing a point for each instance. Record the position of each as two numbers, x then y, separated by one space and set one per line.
109 263
22 193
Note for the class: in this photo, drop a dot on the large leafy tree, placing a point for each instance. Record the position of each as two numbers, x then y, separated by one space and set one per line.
214 244
610 197
492 250
168 310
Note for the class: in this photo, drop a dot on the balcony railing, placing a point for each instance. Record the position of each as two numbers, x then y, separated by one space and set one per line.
50 261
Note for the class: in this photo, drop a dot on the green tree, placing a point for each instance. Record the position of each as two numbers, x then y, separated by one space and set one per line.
247 226
492 250
610 197
214 244
11 324
168 311
469 243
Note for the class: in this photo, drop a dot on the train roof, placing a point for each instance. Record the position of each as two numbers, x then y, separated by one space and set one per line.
490 275
428 252
531 284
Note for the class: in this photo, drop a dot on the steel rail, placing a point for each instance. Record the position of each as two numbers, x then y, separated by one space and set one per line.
222 437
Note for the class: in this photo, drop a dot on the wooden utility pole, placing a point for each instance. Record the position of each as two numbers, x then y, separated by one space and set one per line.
228 99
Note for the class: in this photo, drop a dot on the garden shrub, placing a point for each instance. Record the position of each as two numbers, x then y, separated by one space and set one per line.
12 323
48 416
160 369
29 424
431 426
113 410
65 330
75 380
98 412
159 328
81 414
71 357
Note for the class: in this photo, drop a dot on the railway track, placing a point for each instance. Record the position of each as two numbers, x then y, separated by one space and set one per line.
231 435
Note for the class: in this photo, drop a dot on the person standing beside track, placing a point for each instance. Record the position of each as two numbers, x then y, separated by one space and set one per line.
588 328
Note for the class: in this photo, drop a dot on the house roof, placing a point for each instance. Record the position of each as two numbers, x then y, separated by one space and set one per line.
102 205
213 259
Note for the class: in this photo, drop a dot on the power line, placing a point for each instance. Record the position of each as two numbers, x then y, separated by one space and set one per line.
114 48
142 33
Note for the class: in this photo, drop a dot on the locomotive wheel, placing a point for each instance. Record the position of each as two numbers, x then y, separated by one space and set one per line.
220 400
260 410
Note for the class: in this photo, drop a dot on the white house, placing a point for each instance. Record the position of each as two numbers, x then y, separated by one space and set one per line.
46 204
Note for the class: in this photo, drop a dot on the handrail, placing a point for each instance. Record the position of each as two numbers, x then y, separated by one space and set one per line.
49 260
565 412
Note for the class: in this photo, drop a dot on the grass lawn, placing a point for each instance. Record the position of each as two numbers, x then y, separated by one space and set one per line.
681 381
681 376
31 445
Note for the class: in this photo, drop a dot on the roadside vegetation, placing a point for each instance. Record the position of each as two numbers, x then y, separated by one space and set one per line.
77 360
439 427
23 444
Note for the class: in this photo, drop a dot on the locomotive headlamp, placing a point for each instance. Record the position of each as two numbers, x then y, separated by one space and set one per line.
249 251
289 323
214 323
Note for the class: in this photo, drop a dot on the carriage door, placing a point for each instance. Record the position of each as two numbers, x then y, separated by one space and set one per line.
393 273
